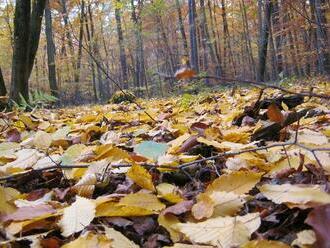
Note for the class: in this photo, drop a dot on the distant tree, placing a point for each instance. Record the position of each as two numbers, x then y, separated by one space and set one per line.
50 51
122 54
193 35
27 27
263 41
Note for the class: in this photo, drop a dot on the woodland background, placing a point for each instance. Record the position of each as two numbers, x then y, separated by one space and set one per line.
138 42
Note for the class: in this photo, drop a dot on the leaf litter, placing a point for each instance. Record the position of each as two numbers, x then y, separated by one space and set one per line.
231 169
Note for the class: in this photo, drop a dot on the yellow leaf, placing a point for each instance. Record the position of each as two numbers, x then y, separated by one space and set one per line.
89 240
264 244
225 232
111 152
217 204
236 136
175 145
284 106
118 240
114 209
238 182
168 221
169 192
142 200
299 195
7 198
141 177
42 140
77 216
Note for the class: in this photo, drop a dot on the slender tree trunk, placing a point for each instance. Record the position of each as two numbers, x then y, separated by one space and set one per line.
139 54
69 37
91 62
228 53
3 90
80 44
216 46
193 36
247 38
264 40
50 52
122 54
96 52
181 26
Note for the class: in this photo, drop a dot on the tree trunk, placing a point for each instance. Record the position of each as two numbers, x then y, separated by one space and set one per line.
91 62
81 35
69 38
247 38
139 54
50 52
227 51
3 90
193 36
122 54
96 53
264 40
19 84
181 26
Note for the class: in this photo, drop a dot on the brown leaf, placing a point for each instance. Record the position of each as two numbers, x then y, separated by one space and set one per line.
179 208
188 144
319 219
28 213
274 114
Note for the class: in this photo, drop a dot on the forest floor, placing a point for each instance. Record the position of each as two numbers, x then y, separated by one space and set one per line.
244 168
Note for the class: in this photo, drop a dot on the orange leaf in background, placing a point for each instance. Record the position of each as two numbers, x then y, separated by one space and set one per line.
274 114
184 73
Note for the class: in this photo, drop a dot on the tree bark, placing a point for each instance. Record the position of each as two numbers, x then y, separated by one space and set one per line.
193 36
264 40
27 28
50 52
122 54
80 44
19 84
3 90
139 54
181 26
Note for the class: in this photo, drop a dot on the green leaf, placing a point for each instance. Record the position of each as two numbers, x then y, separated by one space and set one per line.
151 149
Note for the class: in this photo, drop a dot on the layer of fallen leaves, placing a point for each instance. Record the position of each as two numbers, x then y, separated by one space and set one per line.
122 186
